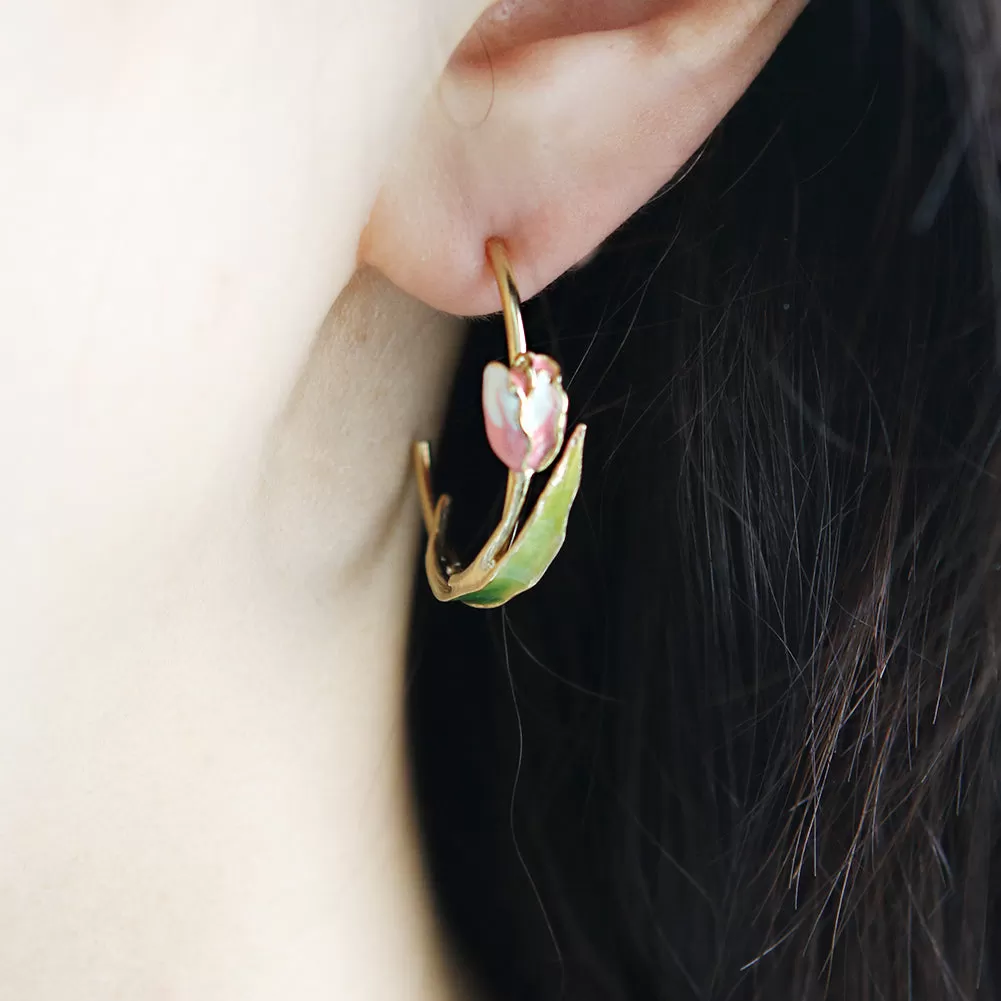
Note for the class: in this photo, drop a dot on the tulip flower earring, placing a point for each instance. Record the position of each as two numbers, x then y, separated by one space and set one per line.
525 411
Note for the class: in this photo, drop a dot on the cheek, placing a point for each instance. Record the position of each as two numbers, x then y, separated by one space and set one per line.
162 284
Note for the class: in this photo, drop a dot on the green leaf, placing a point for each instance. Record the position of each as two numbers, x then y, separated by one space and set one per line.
542 535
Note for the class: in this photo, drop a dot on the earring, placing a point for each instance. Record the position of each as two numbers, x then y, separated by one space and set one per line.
525 411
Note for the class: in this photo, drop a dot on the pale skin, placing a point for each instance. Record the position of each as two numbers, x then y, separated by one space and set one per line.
208 524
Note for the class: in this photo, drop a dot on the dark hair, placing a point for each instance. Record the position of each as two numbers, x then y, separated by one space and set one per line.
742 741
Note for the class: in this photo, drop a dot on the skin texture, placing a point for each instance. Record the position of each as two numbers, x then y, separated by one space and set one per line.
555 135
208 524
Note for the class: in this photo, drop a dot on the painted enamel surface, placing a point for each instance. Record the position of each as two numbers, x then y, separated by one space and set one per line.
502 416
525 411
542 536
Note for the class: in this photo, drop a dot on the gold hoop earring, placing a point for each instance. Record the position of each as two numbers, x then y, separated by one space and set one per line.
525 412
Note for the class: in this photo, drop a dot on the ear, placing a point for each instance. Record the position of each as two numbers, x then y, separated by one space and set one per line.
554 122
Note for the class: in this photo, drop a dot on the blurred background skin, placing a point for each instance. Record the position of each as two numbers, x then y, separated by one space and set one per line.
189 646
208 529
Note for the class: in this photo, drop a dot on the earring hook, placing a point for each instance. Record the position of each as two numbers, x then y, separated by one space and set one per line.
525 412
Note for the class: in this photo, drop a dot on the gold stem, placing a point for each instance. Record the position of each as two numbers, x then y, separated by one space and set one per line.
514 501
514 326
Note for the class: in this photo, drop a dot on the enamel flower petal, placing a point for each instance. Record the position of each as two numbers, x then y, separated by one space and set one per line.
525 411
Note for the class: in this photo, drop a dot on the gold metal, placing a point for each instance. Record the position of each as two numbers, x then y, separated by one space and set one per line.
505 565
514 325
517 483
422 467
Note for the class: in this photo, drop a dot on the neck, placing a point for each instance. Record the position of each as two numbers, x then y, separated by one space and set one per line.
221 808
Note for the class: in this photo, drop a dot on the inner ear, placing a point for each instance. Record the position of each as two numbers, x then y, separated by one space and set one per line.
583 110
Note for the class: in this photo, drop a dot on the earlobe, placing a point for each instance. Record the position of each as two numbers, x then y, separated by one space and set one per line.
551 131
